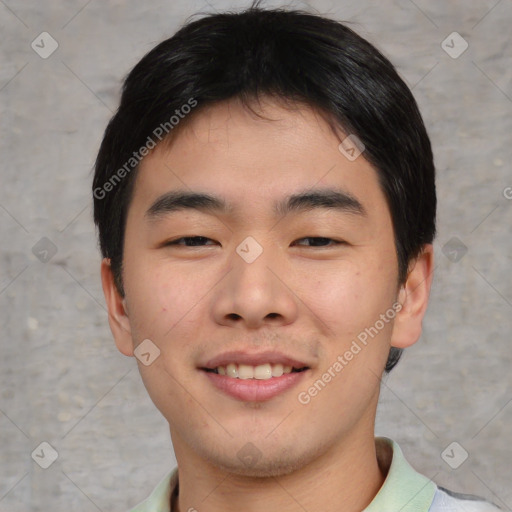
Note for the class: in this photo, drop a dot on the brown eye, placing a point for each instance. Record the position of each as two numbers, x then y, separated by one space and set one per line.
190 241
318 241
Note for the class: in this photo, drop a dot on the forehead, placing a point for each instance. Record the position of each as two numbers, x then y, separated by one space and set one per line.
254 159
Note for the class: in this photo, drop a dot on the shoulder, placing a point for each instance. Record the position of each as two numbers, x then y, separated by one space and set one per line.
160 499
448 501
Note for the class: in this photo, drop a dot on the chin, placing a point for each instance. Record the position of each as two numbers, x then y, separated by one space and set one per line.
249 461
264 468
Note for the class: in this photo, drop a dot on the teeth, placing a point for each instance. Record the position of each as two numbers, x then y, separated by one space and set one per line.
245 371
263 372
231 370
277 370
260 372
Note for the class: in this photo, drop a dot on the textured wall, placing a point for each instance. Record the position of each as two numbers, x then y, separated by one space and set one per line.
62 380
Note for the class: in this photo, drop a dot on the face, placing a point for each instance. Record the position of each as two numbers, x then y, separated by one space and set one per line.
290 261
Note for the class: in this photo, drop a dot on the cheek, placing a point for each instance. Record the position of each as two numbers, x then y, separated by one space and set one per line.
350 302
163 298
152 297
346 298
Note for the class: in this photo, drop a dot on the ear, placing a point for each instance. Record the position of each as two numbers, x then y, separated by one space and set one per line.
117 313
413 297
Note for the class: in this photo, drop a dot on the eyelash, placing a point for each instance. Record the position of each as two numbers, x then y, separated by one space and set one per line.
336 242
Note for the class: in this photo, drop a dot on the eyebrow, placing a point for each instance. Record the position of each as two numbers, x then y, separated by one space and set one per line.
330 198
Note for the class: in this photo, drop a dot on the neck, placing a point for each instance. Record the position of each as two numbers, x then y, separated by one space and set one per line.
345 476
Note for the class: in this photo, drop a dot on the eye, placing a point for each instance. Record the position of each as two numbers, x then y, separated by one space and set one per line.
190 241
319 241
201 241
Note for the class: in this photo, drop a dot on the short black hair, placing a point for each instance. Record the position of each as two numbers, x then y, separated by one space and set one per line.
289 54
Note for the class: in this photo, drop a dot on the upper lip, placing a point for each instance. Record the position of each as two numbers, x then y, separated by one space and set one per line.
253 359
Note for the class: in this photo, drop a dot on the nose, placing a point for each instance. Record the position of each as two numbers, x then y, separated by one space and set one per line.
255 292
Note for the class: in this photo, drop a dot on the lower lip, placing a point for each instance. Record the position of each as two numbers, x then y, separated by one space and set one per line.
255 390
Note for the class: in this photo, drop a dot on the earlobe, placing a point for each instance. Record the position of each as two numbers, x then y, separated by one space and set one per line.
413 296
117 311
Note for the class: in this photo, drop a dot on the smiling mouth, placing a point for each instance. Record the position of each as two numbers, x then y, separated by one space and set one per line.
260 372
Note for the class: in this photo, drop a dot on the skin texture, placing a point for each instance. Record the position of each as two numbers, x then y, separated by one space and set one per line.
310 302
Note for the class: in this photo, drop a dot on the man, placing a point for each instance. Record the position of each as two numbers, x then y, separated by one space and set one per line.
265 199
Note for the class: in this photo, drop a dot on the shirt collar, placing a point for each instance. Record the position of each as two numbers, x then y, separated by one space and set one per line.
404 489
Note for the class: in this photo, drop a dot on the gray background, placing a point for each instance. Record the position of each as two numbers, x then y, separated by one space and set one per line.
61 378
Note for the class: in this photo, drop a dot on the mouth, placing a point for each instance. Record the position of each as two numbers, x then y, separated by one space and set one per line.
254 377
260 372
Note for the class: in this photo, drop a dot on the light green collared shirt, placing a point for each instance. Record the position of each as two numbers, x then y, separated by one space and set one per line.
404 488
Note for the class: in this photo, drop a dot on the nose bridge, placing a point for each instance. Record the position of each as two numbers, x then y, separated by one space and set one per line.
252 292
251 263
250 250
